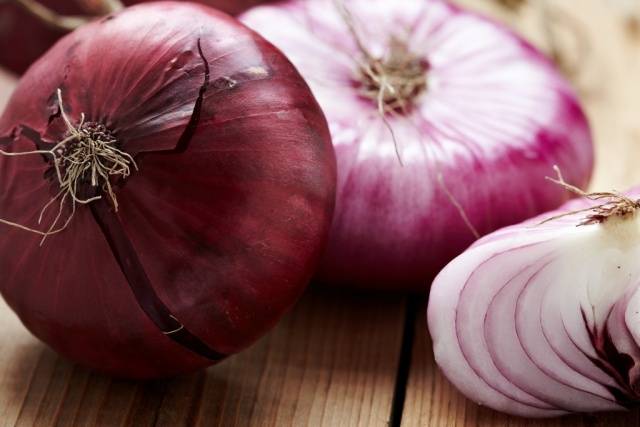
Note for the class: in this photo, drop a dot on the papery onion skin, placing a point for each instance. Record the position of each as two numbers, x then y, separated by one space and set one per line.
24 38
538 320
228 223
493 120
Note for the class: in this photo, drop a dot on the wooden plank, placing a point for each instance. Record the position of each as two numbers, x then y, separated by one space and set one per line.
610 89
332 362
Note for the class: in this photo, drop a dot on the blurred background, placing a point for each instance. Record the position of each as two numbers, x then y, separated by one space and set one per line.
597 44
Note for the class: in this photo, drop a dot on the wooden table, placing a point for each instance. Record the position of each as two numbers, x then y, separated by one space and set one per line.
339 359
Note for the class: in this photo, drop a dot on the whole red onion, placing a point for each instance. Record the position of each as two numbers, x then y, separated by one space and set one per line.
218 229
541 319
444 124
24 38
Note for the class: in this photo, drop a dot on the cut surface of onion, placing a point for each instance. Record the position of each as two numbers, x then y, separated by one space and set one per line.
199 185
444 124
540 319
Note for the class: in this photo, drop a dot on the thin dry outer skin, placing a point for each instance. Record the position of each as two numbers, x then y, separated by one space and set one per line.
226 216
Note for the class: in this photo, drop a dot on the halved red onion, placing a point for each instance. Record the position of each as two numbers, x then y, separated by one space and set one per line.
215 234
540 320
483 122
24 38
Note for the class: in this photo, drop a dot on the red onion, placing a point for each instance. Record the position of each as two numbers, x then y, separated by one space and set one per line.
24 38
540 320
222 220
478 117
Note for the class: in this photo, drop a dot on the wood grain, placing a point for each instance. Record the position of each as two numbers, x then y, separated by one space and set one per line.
332 361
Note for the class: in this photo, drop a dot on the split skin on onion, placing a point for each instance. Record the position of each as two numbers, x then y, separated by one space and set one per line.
541 319
25 37
444 123
166 190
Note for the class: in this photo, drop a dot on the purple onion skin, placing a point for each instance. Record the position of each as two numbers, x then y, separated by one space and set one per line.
541 319
494 119
219 230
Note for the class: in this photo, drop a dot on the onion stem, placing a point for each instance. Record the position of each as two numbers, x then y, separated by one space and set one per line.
392 82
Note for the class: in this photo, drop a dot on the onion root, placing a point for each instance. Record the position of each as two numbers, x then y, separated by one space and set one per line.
87 155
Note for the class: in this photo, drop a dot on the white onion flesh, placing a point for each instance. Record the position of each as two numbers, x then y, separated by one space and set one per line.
541 320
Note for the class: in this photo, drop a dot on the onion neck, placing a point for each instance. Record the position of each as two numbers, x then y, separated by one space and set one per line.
394 81
611 208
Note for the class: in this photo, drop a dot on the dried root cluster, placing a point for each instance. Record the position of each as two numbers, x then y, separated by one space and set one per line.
87 157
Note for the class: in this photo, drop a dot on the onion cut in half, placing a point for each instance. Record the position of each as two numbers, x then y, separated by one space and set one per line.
541 319
444 124
219 197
